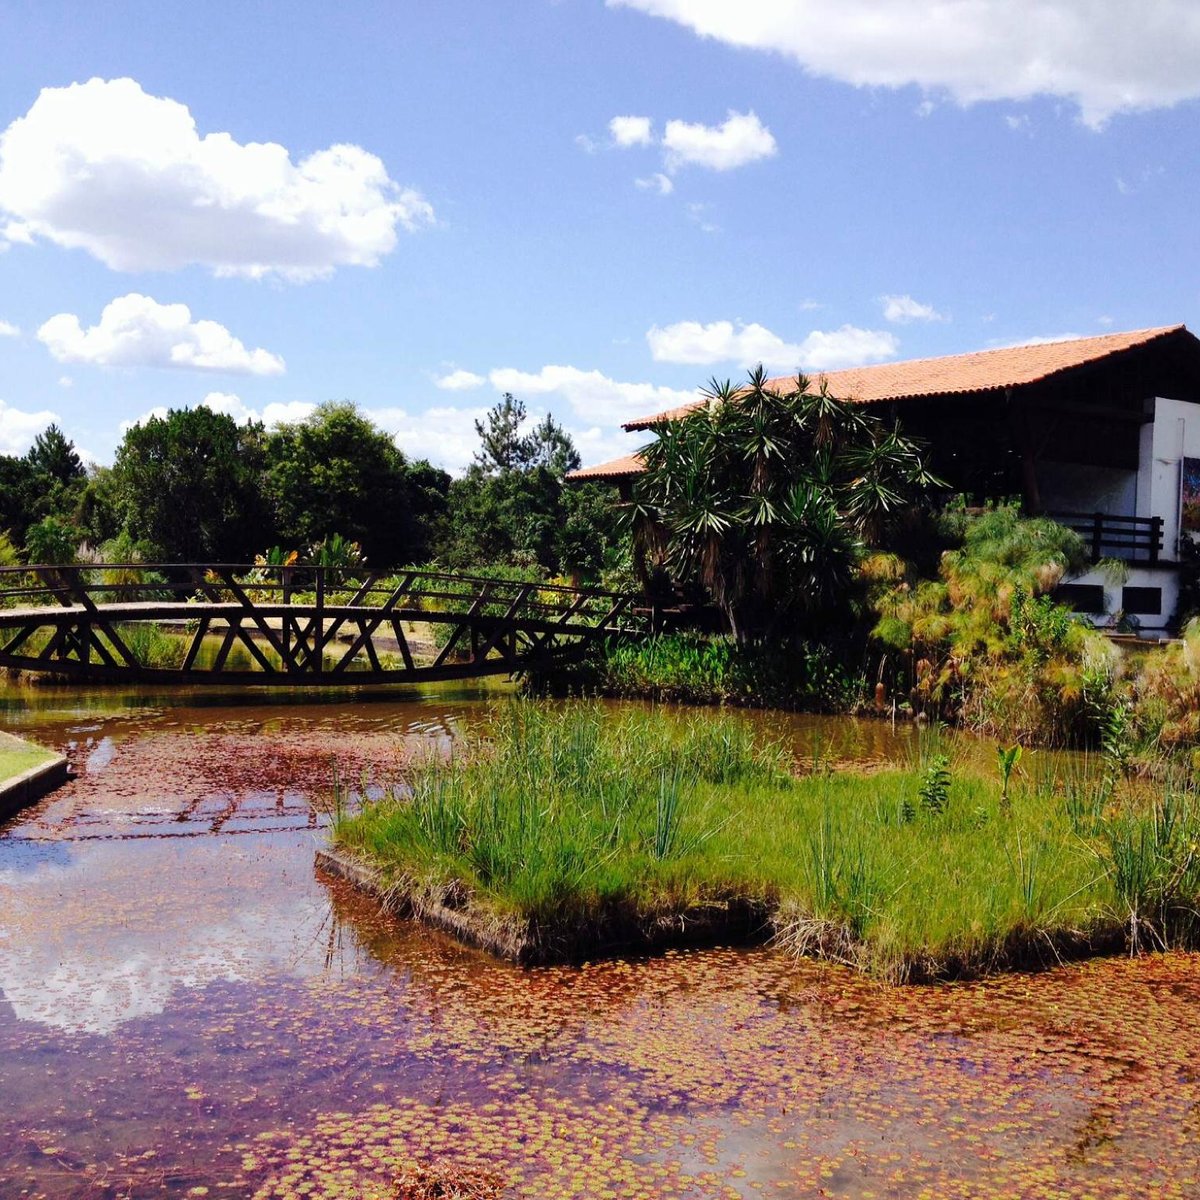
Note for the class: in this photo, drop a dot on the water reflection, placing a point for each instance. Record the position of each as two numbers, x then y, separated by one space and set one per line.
185 1005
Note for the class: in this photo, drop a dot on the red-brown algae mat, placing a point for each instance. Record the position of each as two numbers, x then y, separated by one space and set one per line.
186 1008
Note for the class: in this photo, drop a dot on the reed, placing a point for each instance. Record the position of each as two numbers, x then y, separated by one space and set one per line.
564 815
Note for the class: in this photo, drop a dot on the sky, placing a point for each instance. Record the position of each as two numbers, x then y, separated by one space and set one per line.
597 206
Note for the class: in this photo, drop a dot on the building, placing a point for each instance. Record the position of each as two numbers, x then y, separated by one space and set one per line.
1101 433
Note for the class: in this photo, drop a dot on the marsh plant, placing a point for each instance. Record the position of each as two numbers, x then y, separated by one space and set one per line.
560 815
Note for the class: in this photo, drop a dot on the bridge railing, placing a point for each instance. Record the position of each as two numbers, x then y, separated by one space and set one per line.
435 594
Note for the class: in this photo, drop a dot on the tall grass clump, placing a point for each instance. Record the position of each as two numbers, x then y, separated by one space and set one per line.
567 815
587 827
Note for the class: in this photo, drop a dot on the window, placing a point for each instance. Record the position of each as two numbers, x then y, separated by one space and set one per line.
1142 601
1082 597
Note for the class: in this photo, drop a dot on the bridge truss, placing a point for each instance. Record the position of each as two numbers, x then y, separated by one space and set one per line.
293 625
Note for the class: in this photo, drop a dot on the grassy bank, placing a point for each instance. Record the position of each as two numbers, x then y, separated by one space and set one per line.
18 756
580 829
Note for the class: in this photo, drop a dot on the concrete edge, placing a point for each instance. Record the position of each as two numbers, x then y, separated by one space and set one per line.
31 785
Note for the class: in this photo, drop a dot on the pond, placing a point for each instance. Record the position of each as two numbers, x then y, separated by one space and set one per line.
188 1008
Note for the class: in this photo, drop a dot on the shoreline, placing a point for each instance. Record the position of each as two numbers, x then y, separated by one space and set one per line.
27 787
619 932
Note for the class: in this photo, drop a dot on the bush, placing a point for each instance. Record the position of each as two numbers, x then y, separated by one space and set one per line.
698 669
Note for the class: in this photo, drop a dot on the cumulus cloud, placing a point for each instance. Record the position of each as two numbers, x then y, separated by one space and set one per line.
1106 56
231 405
742 138
273 414
747 345
18 428
137 331
903 310
590 395
459 381
720 341
105 167
631 131
9 330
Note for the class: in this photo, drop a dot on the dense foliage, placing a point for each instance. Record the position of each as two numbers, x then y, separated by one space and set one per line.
512 506
193 485
985 642
768 500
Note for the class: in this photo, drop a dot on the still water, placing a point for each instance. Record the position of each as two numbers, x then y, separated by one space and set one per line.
187 1008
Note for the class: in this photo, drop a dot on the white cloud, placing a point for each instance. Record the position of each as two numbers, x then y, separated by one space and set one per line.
231 405
742 138
748 345
848 346
159 410
444 434
658 182
631 131
126 176
720 341
273 414
1045 339
18 429
137 331
65 381
903 310
590 395
1106 56
459 381
9 330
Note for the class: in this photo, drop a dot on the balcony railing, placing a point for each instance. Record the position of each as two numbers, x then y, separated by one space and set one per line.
1130 539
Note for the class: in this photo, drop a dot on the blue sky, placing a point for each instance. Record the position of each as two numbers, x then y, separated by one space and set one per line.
817 183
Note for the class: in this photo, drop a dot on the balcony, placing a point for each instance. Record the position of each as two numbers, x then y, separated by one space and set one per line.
1130 539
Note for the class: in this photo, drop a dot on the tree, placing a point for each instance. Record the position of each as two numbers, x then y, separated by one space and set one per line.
47 482
766 500
54 456
51 540
189 484
336 473
512 507
505 448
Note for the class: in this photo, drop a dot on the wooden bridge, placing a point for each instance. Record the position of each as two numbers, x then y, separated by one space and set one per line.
293 625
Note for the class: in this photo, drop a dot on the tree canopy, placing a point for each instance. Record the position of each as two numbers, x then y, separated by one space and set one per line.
188 484
336 472
512 505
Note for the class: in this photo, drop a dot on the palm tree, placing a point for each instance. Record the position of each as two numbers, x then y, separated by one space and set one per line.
767 499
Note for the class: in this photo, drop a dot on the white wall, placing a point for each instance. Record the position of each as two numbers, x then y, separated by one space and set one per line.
1173 436
1166 578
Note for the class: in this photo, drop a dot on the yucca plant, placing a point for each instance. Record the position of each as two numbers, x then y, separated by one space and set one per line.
764 497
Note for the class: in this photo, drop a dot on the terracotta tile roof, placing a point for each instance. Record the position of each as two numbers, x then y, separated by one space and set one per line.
958 374
616 468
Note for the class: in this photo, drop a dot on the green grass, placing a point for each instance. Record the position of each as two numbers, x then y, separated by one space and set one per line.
564 815
17 756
